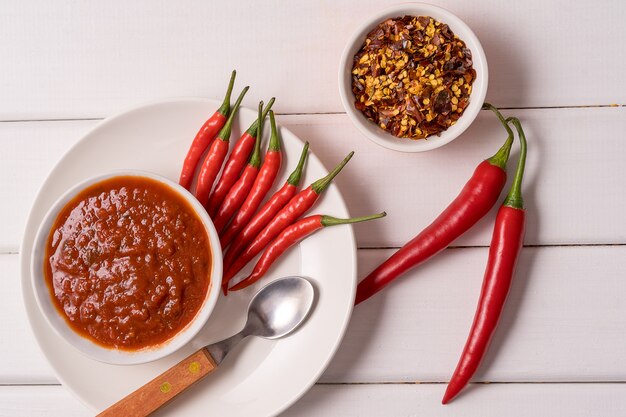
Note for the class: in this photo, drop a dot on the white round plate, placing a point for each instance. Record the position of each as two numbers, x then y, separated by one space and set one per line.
260 377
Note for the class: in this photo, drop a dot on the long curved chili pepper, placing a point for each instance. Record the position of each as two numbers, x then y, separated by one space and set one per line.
236 162
215 157
262 183
265 214
296 207
205 136
289 237
242 187
506 244
475 200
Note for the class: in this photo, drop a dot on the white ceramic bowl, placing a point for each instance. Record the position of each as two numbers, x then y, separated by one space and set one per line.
88 347
479 87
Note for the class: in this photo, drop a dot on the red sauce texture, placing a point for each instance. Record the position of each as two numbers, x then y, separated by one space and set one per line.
128 263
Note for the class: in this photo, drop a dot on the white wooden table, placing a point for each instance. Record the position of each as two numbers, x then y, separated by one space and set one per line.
557 65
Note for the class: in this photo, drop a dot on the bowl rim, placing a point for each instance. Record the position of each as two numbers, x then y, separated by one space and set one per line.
477 97
85 345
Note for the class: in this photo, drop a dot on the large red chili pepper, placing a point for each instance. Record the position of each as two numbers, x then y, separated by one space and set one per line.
265 214
242 187
262 183
205 136
296 207
215 157
475 200
236 162
506 244
289 237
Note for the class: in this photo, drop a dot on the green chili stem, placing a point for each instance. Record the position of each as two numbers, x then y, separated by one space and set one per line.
225 107
225 132
274 140
502 156
514 198
255 125
323 183
332 221
255 158
294 178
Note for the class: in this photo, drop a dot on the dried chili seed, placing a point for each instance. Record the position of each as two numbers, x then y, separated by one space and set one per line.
413 76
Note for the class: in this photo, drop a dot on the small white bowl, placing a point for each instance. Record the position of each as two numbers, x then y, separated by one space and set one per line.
90 348
479 87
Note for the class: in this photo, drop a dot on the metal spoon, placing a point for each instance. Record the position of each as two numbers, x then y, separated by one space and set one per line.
275 311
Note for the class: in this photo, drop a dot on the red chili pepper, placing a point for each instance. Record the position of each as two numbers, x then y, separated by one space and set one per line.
215 157
236 162
242 187
506 244
205 136
262 183
289 237
265 214
478 196
296 207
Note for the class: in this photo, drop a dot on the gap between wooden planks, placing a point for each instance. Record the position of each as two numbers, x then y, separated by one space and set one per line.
495 400
97 119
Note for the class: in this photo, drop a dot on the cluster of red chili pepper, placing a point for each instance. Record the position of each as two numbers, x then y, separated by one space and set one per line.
474 201
233 202
246 230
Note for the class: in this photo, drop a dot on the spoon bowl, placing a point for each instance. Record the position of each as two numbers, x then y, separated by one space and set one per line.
275 311
279 307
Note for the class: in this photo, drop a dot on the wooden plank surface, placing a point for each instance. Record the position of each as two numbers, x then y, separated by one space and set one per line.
411 400
40 401
21 359
574 170
495 400
559 348
551 330
76 59
564 319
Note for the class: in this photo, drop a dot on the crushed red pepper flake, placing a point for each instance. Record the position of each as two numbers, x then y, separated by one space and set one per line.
412 77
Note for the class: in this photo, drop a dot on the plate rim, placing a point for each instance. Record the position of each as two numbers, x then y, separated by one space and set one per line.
24 259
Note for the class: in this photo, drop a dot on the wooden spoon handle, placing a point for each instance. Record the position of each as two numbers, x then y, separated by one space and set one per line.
164 387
